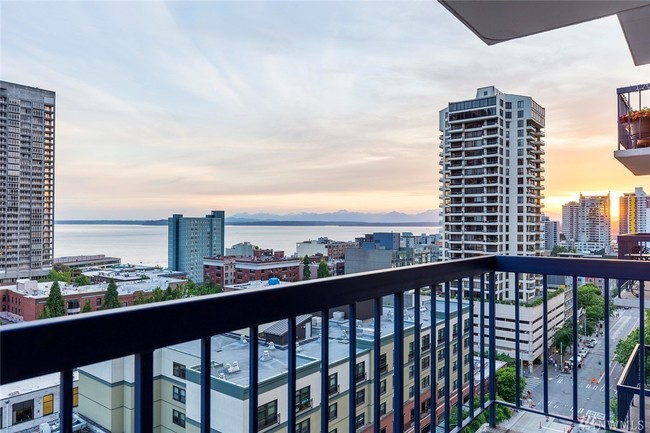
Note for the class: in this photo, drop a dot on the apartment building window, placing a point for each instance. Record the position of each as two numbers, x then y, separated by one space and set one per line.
75 396
178 418
441 336
333 383
441 372
441 392
411 392
178 370
411 372
426 382
383 364
332 411
267 414
382 387
98 302
382 409
441 355
361 371
411 350
360 420
303 398
426 362
361 397
23 411
425 406
48 404
508 105
303 426
426 342
178 394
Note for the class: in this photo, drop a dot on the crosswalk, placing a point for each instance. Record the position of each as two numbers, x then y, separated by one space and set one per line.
533 382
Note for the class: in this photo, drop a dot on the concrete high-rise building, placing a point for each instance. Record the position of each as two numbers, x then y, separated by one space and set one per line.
191 239
491 180
570 222
633 212
26 181
594 227
551 233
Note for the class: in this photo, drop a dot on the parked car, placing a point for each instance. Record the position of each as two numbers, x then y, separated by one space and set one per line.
583 352
592 343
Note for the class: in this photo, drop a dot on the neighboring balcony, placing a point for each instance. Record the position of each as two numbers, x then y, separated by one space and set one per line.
634 128
422 383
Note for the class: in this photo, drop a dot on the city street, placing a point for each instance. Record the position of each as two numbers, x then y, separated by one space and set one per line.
591 377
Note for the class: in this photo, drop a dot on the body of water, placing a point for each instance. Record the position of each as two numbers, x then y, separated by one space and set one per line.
138 244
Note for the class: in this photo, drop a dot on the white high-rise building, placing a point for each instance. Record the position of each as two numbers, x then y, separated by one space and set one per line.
551 233
633 212
26 181
570 222
491 180
594 227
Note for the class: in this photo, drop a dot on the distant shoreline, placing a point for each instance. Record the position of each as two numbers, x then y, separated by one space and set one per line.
254 223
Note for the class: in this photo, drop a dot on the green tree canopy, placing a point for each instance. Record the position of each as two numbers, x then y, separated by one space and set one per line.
563 338
82 280
506 383
306 272
87 307
111 297
55 305
323 269
55 275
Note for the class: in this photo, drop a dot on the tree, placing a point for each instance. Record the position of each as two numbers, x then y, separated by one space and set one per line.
506 383
82 280
563 338
111 297
55 275
323 269
306 272
139 299
55 305
87 308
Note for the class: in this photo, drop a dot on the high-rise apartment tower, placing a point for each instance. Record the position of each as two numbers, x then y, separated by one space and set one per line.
594 227
491 184
633 212
26 181
190 239
570 222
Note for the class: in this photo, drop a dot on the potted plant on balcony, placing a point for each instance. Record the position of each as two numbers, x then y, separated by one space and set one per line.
638 122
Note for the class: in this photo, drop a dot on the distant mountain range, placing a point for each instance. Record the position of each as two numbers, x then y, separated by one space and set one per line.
342 217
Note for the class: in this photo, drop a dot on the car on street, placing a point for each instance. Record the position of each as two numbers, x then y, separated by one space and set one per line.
583 352
592 343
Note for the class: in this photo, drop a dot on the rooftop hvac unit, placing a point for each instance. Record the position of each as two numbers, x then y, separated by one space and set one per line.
265 356
271 346
316 321
338 315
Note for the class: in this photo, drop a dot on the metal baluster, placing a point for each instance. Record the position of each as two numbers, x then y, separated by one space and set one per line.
206 387
143 392
253 379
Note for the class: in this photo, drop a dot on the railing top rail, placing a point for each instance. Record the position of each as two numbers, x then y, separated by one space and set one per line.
36 348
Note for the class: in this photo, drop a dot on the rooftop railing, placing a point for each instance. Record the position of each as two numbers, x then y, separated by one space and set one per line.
37 348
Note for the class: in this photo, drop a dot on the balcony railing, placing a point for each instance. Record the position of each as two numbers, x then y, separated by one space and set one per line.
37 348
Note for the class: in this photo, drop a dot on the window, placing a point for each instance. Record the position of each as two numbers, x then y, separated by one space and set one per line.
425 382
179 370
411 350
508 105
332 411
333 383
441 355
98 302
360 420
303 426
75 396
411 371
303 398
425 405
426 342
441 392
382 409
23 411
48 404
441 372
267 414
426 362
411 392
383 364
361 397
361 371
178 394
382 387
178 418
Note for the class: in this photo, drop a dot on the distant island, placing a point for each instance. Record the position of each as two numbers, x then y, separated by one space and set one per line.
340 218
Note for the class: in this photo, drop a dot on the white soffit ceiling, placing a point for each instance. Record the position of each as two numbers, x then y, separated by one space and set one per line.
495 21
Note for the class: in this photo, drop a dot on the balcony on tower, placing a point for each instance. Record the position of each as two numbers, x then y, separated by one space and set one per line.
634 128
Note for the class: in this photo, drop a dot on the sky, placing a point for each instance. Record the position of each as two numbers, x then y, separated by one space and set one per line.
292 106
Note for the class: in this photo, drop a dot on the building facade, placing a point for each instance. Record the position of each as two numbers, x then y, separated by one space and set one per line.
570 213
594 227
191 239
633 212
230 270
26 181
492 180
551 233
